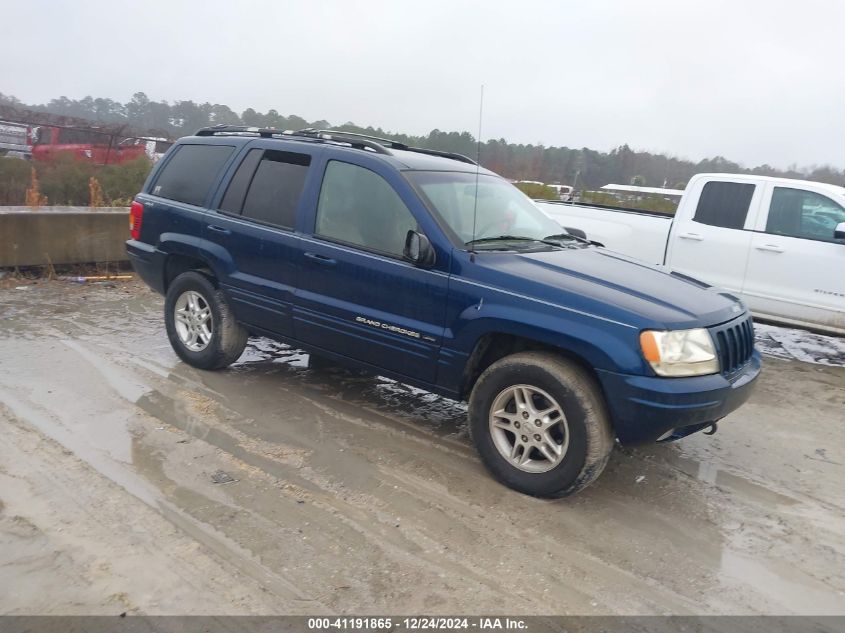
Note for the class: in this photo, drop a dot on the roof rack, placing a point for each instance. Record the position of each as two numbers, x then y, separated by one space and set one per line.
353 139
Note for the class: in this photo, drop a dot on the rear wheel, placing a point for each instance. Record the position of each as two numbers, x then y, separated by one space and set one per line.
199 323
540 424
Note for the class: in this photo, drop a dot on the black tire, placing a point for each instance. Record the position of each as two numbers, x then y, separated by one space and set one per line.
228 337
589 436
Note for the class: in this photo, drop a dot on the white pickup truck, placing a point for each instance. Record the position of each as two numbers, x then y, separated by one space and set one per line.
777 242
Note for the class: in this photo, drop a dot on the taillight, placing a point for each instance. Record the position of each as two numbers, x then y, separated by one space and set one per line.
136 213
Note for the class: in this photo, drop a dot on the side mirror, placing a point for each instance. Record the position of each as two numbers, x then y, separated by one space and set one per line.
418 250
839 231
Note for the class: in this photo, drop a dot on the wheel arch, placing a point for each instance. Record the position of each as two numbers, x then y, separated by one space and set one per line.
495 345
184 253
176 263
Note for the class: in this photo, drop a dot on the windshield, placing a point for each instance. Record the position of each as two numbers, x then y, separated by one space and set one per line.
502 211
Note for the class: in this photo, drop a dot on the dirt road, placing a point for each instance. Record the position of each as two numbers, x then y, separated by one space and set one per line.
130 482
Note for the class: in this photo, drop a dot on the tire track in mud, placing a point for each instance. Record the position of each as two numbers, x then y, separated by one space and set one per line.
98 541
227 550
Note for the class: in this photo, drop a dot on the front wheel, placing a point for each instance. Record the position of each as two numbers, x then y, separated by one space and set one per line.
540 425
199 323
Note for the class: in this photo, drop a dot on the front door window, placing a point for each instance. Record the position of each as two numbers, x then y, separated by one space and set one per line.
357 206
801 213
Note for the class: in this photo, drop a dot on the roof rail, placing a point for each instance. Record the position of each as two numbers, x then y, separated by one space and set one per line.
435 152
353 139
337 134
359 141
309 134
340 133
263 132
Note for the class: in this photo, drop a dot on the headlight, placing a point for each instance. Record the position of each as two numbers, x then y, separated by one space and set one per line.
680 352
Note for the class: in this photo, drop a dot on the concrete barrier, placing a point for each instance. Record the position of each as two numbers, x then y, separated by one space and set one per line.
62 235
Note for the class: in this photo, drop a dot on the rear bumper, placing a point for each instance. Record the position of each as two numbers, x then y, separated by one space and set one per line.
148 262
644 408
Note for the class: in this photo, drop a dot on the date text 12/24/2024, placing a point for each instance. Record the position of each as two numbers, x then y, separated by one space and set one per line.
416 624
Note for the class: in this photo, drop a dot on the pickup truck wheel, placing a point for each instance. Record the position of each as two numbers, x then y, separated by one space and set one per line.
540 425
199 323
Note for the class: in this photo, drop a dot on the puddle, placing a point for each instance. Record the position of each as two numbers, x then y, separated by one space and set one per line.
710 473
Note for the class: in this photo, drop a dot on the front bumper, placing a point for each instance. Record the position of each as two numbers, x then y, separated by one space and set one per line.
148 262
645 408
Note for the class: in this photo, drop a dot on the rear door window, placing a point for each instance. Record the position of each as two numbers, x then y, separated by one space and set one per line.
233 201
190 173
267 187
724 204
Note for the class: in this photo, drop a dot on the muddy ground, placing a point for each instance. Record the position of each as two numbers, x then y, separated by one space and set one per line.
130 482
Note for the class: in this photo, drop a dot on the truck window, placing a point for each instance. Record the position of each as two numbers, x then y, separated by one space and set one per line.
267 186
724 204
189 174
801 213
357 206
43 135
72 136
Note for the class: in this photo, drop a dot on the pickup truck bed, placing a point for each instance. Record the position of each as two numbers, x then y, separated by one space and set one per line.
636 233
776 242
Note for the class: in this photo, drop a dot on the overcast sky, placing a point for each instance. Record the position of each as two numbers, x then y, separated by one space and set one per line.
755 81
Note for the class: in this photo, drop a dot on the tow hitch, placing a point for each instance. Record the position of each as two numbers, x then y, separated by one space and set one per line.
673 435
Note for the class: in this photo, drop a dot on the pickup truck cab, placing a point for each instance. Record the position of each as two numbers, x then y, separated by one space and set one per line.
428 269
776 242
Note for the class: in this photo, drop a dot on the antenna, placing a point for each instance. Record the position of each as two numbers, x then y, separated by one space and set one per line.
477 169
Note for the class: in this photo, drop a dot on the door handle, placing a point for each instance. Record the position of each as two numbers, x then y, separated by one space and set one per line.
321 259
218 229
691 236
772 248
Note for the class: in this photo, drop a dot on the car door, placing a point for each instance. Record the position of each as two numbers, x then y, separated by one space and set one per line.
251 233
713 244
357 296
795 266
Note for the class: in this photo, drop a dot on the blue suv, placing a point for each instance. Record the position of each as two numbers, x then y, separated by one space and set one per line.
426 268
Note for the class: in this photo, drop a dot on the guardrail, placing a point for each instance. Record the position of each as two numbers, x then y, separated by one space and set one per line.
62 235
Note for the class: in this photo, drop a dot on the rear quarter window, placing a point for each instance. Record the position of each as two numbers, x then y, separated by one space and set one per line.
724 204
190 173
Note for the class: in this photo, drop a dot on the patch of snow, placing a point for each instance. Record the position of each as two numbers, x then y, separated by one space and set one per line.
794 344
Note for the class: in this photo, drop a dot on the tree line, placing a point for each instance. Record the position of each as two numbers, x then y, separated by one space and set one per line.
582 167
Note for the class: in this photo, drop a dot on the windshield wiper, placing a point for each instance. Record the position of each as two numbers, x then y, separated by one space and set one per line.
502 238
549 241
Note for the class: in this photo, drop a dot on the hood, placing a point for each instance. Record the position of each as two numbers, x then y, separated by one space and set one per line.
613 286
